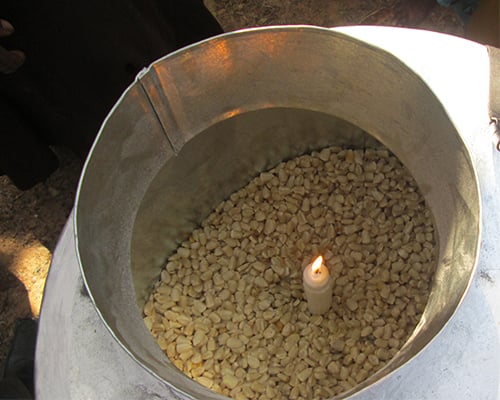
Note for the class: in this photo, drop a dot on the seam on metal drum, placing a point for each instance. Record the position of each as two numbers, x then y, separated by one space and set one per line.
156 95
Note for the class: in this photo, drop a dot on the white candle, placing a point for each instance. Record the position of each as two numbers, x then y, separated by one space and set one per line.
317 287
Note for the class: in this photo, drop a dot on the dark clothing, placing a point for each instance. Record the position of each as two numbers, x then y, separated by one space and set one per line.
80 56
16 378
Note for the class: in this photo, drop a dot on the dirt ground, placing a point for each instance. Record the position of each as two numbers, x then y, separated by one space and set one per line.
31 221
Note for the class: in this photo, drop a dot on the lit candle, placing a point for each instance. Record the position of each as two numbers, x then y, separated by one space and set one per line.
317 287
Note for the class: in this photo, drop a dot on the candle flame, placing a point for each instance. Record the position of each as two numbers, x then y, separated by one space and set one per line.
317 264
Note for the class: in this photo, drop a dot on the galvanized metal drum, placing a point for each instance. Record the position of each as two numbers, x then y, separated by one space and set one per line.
200 123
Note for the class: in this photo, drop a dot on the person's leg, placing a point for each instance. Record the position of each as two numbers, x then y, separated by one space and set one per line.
16 381
13 389
24 156
190 20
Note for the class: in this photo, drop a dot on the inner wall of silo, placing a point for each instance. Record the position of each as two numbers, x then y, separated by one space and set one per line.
216 163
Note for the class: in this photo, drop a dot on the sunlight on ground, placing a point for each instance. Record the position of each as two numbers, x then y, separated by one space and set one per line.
30 264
